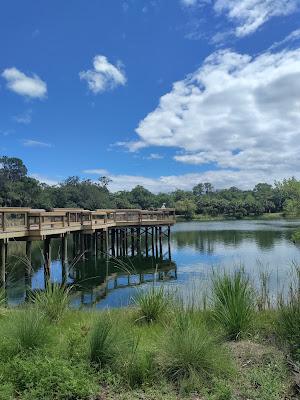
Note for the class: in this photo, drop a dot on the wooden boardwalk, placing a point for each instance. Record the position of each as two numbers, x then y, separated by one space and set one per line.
114 232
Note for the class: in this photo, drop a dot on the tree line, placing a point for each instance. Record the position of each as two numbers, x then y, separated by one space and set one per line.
17 189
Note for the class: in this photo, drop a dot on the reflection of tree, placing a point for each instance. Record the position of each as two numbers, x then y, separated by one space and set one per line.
205 241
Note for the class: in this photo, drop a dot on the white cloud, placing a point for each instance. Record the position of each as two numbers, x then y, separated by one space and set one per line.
24 118
154 156
294 36
35 143
97 171
219 179
44 179
131 146
24 85
189 3
248 15
104 75
236 112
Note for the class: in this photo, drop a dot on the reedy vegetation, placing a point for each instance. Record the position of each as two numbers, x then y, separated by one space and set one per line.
180 349
53 302
233 303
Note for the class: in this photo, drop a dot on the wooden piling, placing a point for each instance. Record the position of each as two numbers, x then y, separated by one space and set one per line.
160 242
146 241
3 263
132 241
47 259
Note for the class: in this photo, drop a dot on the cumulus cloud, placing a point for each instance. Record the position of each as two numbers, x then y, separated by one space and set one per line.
35 143
248 15
219 179
104 75
236 112
24 85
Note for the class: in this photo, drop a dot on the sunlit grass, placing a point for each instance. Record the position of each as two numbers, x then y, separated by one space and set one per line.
152 303
233 303
28 329
53 301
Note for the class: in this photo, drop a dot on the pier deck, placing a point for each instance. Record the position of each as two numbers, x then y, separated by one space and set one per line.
26 223
114 232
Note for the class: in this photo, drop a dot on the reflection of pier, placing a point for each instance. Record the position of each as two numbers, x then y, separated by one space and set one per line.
118 275
101 232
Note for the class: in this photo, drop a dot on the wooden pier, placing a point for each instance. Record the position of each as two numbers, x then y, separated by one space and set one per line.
113 232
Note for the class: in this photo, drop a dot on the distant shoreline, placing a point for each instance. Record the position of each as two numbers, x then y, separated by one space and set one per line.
208 218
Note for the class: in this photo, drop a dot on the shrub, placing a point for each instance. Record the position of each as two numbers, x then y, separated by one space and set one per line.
28 329
102 342
190 353
39 377
53 301
233 303
152 303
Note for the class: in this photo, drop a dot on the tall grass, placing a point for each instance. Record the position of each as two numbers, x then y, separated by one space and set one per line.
102 342
190 352
233 303
152 303
53 301
28 330
136 365
289 317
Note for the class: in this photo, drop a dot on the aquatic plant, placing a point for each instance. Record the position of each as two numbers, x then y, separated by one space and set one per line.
152 303
232 302
53 301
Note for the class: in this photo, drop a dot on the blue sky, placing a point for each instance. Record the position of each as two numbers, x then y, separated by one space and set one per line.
164 93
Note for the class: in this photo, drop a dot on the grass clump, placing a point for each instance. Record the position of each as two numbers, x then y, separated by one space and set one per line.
152 304
289 323
190 354
233 303
102 342
28 330
136 365
53 301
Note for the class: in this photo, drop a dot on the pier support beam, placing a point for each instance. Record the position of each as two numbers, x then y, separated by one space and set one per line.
28 267
47 259
64 259
132 241
3 255
160 242
169 242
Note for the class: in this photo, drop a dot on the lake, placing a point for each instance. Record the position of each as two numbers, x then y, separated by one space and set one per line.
197 248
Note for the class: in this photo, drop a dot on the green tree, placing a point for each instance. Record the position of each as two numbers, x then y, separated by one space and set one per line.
187 207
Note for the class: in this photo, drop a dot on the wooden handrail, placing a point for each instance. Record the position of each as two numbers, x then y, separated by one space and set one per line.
19 219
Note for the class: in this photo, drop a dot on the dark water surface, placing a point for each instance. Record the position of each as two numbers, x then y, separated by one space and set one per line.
196 249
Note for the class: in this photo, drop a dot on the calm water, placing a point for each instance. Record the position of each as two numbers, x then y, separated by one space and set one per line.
196 249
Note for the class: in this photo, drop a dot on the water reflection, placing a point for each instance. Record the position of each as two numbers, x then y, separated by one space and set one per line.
197 248
95 278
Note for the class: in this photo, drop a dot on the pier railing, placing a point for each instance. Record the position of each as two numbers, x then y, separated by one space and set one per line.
17 222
